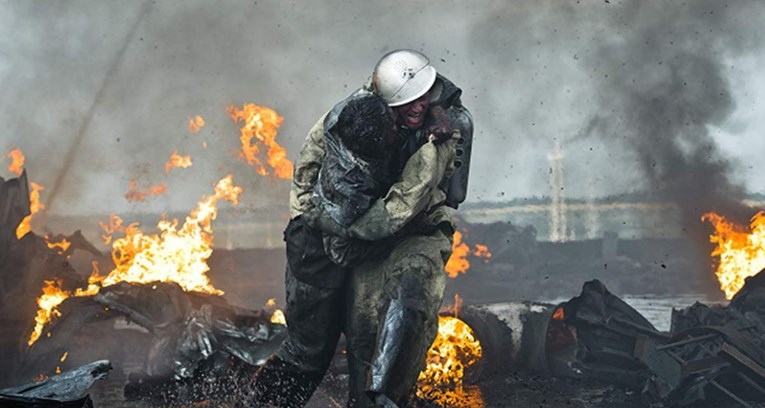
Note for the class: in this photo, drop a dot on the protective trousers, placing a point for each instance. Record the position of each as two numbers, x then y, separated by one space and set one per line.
315 317
393 318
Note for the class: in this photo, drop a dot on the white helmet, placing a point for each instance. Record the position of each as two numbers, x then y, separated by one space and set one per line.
402 76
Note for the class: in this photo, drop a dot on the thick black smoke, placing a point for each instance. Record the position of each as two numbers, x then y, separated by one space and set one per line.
655 80
662 85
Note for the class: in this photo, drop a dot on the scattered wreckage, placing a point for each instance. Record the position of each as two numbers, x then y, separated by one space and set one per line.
189 346
711 353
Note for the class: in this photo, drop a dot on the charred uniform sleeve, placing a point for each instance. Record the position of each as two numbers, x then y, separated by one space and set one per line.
307 169
417 190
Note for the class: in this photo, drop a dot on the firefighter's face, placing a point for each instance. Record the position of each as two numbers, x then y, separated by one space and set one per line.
412 115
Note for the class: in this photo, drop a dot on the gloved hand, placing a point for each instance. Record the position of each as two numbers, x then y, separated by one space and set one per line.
440 129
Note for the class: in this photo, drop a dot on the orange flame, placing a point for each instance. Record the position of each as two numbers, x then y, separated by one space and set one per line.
176 161
134 194
17 161
173 255
196 124
277 316
458 262
114 225
454 349
261 123
35 206
62 245
740 249
52 296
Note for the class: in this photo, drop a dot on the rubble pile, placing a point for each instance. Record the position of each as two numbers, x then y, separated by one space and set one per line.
181 344
68 389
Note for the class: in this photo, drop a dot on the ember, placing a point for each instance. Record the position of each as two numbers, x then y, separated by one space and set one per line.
174 255
17 161
261 123
458 262
196 124
176 161
740 249
134 194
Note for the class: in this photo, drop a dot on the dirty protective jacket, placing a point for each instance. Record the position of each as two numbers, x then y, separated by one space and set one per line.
416 194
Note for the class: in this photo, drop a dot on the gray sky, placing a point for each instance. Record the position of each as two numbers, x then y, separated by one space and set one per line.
532 72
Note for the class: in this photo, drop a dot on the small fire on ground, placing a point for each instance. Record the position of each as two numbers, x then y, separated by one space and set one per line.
277 316
175 254
454 350
740 250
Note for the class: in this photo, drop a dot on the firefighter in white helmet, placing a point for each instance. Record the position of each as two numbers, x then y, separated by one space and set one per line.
390 301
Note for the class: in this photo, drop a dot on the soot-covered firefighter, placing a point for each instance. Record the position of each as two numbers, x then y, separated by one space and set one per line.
375 270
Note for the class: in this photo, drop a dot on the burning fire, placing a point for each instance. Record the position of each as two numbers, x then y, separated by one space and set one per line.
261 123
173 255
17 161
176 160
196 124
454 349
113 226
35 206
741 250
62 245
458 262
277 316
134 194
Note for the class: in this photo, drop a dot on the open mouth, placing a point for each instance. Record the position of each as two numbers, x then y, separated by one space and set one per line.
414 118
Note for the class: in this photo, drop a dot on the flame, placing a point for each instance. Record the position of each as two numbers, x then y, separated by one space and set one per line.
173 255
454 349
277 317
261 123
63 357
63 245
113 226
740 249
196 123
176 161
52 296
17 161
35 206
458 262
482 251
134 194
